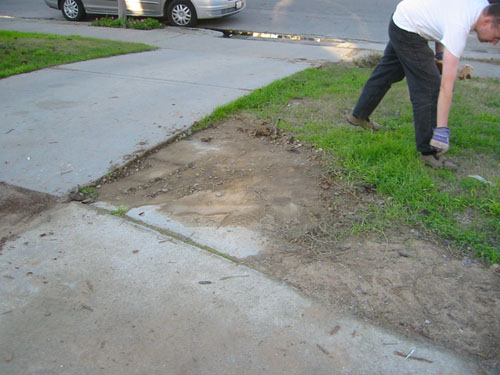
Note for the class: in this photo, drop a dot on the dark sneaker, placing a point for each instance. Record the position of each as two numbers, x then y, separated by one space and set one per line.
367 124
435 161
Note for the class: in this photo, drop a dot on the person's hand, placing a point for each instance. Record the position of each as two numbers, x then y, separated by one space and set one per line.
441 140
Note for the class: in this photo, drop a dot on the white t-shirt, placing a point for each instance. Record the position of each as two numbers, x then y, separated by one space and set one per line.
446 21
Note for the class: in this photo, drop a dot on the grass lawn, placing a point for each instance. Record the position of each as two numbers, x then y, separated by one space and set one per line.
461 210
25 52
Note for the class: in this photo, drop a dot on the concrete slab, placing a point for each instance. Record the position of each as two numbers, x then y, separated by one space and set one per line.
89 293
237 242
234 241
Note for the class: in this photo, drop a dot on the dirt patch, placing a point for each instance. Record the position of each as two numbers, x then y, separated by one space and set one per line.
19 209
248 173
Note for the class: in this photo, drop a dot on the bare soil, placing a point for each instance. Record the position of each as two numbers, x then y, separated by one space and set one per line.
248 173
19 209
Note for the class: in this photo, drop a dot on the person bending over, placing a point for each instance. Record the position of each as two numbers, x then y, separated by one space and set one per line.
407 54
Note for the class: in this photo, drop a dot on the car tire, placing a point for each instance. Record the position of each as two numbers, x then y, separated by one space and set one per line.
182 13
72 10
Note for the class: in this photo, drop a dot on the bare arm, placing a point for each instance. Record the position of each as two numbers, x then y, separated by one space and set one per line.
450 68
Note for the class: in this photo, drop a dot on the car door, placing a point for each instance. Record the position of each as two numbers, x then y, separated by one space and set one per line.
101 6
144 7
134 7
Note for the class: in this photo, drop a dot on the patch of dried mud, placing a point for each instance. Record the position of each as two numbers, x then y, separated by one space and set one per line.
247 173
19 209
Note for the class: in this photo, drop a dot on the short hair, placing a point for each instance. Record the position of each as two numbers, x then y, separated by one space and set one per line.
493 10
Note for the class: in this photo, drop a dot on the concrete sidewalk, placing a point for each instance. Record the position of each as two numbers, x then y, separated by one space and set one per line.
87 293
84 292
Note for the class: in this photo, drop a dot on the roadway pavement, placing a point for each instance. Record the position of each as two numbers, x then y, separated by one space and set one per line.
85 292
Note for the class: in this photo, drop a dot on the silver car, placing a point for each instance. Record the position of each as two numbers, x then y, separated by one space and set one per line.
178 12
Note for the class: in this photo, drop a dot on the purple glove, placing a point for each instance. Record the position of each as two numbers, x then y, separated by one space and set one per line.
440 140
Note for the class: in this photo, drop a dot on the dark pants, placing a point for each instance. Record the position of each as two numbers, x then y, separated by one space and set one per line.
407 54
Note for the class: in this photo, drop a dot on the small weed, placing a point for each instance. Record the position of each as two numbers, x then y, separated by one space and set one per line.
493 103
89 192
120 211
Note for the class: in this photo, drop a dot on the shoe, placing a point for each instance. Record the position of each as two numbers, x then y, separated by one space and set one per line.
435 161
367 124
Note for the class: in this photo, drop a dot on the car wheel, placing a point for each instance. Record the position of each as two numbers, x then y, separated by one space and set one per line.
72 10
181 13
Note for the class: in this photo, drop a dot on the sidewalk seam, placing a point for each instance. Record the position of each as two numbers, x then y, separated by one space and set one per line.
62 68
173 235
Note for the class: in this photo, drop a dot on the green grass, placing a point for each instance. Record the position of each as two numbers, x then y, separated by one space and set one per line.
120 211
25 52
89 191
461 210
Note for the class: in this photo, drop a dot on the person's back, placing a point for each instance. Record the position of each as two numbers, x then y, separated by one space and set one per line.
448 22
